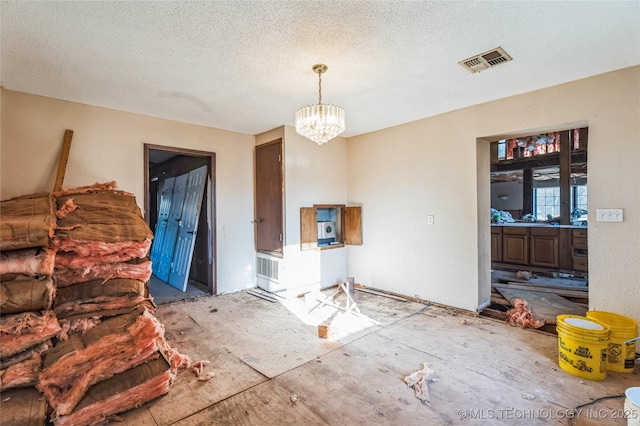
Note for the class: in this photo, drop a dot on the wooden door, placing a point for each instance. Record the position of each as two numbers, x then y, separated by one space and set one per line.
185 241
269 198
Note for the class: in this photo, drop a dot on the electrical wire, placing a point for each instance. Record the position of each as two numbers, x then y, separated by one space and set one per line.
575 410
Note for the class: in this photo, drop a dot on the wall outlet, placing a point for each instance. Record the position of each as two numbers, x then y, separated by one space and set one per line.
609 215
430 220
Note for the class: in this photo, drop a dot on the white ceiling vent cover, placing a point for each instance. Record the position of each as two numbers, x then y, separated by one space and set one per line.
486 60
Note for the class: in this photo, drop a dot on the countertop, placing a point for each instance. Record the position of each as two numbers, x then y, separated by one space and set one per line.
539 225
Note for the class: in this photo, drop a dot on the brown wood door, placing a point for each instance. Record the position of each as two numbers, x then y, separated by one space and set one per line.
269 197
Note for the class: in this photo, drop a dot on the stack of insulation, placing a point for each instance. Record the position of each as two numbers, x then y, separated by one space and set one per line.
28 324
101 263
109 353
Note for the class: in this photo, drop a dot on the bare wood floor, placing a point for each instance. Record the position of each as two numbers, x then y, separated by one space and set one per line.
272 369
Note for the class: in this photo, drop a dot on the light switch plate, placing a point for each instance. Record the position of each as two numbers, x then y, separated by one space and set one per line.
609 215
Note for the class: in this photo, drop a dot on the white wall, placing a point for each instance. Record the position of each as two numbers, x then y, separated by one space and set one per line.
436 166
400 176
513 190
108 145
428 167
313 175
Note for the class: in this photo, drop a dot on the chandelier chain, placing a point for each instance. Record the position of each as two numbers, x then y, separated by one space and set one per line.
319 88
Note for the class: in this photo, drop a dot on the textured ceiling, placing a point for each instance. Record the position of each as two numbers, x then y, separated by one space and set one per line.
246 66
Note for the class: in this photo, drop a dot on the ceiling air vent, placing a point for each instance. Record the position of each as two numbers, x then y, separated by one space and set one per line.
486 60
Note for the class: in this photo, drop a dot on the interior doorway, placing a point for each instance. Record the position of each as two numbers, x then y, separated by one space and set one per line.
536 194
164 165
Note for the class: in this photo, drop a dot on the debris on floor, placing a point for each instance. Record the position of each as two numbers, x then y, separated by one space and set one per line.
418 380
78 324
521 316
546 296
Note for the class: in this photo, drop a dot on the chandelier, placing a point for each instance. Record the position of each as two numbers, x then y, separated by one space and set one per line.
320 122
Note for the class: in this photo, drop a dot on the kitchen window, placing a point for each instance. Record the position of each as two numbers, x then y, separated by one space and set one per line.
546 202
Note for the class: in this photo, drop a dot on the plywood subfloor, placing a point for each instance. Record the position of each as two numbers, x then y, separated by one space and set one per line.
545 306
271 368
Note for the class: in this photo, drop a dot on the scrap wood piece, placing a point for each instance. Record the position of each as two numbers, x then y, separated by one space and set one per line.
381 293
521 316
64 158
418 380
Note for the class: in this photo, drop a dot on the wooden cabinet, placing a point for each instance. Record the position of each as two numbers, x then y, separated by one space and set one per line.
543 245
496 244
579 250
536 246
346 221
514 245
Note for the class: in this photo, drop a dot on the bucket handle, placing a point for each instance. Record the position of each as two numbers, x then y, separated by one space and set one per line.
632 340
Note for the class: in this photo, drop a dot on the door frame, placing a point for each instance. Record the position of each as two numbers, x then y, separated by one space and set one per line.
211 202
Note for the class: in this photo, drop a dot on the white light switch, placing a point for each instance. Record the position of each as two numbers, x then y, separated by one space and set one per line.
430 220
609 215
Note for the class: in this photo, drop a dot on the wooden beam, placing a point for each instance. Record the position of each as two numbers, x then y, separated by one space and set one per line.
546 160
64 157
566 138
527 191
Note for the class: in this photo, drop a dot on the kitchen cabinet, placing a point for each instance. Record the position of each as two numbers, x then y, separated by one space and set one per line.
496 244
514 245
543 246
579 250
557 248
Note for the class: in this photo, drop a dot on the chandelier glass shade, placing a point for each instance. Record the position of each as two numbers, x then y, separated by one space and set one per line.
321 122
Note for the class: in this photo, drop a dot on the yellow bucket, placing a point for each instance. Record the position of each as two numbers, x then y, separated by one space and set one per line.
582 346
620 357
